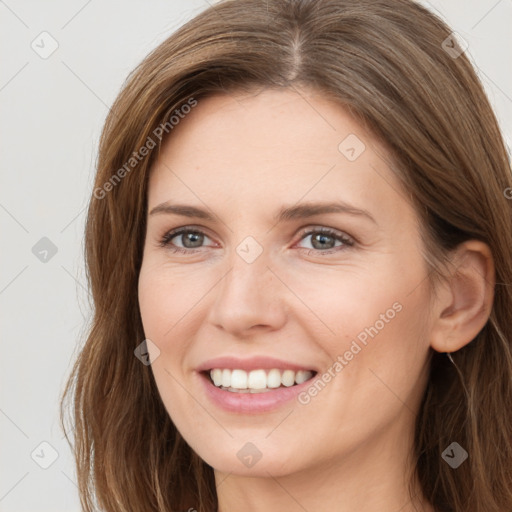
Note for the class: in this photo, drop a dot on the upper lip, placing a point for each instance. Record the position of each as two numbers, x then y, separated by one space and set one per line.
253 363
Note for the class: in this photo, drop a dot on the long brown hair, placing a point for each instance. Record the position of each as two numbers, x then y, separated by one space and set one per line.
394 65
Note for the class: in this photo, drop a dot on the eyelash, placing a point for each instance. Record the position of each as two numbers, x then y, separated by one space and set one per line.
346 240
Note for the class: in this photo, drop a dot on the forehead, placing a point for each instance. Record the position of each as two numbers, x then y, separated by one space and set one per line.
252 152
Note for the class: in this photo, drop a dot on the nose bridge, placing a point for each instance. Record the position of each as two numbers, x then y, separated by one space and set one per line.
248 294
248 278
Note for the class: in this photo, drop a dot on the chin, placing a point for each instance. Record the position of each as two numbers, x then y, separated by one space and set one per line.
248 460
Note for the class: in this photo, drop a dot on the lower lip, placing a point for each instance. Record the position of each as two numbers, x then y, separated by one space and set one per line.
251 403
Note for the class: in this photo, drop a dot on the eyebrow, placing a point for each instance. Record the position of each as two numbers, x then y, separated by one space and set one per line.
287 213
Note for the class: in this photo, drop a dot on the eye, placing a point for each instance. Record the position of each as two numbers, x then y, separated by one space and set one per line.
190 239
324 240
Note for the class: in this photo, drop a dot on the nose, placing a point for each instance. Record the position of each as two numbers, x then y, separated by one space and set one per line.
248 298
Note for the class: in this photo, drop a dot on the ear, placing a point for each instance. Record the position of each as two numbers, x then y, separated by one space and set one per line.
464 301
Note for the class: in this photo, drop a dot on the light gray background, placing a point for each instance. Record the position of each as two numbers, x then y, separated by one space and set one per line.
52 113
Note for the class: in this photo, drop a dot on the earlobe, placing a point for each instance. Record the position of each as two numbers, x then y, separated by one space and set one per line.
464 305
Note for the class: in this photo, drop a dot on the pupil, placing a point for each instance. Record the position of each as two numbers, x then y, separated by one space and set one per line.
195 238
321 238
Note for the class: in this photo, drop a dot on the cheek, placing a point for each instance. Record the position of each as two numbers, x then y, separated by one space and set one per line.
165 300
347 302
163 306
387 350
380 319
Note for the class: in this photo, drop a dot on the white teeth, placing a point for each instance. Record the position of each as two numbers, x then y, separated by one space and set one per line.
216 376
288 378
273 378
226 378
257 381
239 380
302 376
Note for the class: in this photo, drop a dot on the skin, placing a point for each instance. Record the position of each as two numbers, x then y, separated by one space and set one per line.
243 157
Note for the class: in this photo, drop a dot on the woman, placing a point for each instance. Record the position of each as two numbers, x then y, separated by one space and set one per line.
298 247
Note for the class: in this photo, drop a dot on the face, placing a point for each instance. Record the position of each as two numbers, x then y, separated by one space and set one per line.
281 253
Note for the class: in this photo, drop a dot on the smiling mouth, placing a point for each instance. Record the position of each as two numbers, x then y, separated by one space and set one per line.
256 381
